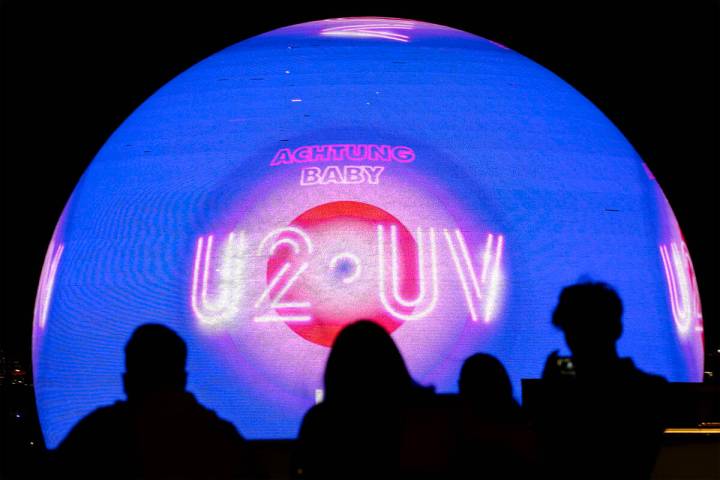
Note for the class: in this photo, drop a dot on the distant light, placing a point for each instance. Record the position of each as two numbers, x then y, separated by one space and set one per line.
295 100
706 431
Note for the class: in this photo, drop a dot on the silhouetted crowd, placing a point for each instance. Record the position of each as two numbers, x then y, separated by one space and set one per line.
593 415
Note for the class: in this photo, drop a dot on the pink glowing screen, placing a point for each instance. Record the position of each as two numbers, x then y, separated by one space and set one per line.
422 177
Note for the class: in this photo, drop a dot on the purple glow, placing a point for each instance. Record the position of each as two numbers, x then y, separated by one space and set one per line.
371 28
682 288
47 282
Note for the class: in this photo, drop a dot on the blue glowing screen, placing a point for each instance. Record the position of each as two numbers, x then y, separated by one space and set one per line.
429 179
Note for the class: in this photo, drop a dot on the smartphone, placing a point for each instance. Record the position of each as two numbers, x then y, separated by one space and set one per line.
565 366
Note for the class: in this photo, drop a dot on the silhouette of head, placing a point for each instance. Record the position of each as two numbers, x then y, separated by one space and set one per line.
484 380
365 365
154 361
589 314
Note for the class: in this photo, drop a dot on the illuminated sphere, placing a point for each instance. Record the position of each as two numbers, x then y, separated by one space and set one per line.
413 174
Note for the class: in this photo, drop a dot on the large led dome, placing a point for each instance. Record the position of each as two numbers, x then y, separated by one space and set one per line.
401 171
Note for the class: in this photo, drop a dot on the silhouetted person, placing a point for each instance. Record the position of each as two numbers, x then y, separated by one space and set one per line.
494 440
602 416
161 431
485 389
357 431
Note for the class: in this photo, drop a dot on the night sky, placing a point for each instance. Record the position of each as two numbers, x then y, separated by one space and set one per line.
72 73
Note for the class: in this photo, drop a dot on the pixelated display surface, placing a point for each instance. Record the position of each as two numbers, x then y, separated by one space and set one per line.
420 176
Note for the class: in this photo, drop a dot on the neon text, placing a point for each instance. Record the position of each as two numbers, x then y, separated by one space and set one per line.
218 298
351 152
347 175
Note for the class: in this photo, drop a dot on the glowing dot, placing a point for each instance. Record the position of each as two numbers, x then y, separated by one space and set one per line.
344 263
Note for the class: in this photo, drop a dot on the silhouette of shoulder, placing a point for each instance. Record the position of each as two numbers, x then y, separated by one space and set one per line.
171 436
102 425
102 440
626 376
627 367
647 389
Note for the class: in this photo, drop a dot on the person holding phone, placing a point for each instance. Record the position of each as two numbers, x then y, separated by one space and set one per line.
602 416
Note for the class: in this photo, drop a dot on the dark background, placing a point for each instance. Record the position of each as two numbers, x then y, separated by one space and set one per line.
71 73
